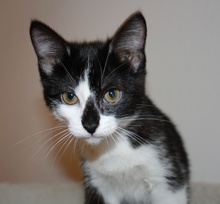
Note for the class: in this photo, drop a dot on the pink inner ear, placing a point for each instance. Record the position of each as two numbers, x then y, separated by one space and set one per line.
47 43
129 41
131 35
136 59
133 58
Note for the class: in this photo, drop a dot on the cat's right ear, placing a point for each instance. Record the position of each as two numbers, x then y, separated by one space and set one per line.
129 41
50 47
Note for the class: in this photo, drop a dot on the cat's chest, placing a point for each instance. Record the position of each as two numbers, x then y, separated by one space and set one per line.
125 173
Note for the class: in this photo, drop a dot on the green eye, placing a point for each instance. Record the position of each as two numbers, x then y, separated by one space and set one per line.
112 96
69 98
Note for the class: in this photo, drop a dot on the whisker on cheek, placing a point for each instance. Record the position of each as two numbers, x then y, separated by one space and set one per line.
47 142
62 138
64 147
40 134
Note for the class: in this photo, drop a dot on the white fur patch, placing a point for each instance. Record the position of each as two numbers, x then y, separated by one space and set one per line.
162 195
83 92
47 66
134 175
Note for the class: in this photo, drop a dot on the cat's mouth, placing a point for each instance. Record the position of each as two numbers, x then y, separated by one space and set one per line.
93 140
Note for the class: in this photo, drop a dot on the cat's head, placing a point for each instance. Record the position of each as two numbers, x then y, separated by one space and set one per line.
94 87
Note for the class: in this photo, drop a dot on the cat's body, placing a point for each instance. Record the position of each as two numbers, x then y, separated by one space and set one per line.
131 152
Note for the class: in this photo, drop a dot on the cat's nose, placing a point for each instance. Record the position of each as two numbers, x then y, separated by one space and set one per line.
90 117
90 127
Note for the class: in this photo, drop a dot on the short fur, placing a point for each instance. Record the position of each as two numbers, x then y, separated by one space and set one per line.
131 152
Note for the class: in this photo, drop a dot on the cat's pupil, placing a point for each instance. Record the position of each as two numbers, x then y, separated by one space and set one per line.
70 96
111 94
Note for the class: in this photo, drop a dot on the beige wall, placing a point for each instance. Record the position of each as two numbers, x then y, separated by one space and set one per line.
183 48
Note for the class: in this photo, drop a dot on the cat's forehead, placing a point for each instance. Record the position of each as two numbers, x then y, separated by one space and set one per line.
83 57
89 62
91 50
88 51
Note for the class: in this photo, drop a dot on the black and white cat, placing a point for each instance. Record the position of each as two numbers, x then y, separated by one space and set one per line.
131 152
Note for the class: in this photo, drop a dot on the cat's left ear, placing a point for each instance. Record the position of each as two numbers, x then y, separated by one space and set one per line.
129 41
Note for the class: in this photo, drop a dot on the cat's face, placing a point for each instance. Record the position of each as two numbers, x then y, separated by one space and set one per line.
95 88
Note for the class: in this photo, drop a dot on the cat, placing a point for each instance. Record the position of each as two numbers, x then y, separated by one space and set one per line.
131 152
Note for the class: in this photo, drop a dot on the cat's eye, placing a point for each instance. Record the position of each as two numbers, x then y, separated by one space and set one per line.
69 98
112 96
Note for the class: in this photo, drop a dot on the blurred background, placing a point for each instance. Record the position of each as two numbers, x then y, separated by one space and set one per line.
183 63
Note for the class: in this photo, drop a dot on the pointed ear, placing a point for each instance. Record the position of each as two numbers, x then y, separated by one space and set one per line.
48 45
129 41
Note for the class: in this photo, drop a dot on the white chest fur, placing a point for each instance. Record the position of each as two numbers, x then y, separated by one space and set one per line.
127 174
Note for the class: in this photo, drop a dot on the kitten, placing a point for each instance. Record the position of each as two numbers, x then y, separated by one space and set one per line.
131 152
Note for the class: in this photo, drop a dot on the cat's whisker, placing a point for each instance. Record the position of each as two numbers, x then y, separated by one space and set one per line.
82 147
42 138
49 140
145 105
112 137
100 66
119 134
126 133
133 135
141 118
47 131
153 119
105 65
69 75
107 141
58 140
75 140
66 145
139 139
38 138
73 150
116 69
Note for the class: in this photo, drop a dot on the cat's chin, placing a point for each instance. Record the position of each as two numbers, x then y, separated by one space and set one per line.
93 140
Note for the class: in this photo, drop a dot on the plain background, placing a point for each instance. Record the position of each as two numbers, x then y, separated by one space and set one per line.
183 63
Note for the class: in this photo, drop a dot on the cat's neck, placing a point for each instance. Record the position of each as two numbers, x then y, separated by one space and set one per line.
89 152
